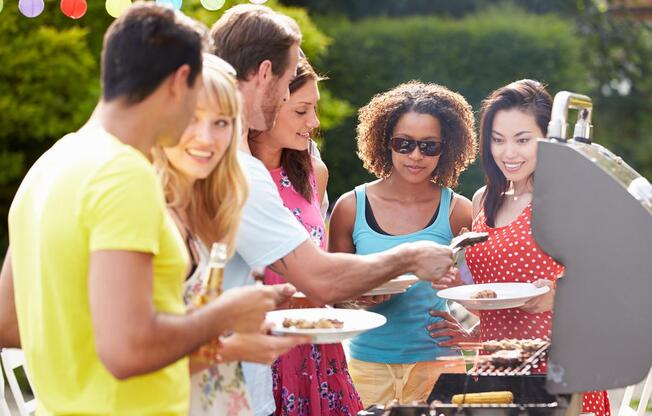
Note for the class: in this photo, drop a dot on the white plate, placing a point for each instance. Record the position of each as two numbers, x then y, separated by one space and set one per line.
394 286
355 322
509 295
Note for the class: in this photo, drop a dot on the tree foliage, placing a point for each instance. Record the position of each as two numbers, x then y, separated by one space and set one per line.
47 88
360 9
49 79
618 53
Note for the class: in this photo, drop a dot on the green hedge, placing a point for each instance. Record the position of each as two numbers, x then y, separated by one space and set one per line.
473 56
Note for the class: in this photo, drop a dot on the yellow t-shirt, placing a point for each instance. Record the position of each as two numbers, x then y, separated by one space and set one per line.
90 192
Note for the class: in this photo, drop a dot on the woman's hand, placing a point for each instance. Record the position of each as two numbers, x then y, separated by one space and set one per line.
451 279
449 327
258 348
285 292
541 303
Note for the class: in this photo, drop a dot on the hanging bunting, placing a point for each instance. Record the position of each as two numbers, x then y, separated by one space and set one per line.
31 8
211 5
116 7
74 9
175 4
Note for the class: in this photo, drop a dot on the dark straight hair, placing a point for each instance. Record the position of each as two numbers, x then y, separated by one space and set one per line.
526 95
143 47
298 163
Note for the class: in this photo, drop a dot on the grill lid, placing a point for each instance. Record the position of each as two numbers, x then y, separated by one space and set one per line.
593 213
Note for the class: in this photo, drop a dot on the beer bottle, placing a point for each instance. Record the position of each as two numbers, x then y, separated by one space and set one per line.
211 284
211 288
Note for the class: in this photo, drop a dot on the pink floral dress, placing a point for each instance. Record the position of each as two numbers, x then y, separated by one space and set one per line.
310 379
512 255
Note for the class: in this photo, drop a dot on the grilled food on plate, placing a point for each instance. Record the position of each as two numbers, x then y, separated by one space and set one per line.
484 294
308 324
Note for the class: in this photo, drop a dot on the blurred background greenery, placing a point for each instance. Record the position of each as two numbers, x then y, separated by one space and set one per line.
49 68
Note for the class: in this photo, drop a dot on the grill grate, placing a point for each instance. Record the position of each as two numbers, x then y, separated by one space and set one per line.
526 359
483 366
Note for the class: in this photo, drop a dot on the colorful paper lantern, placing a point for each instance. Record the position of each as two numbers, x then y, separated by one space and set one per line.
174 4
31 8
116 7
74 9
212 5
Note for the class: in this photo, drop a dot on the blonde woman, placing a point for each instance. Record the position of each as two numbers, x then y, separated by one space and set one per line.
205 190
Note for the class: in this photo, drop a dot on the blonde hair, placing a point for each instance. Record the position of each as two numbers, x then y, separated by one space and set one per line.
213 205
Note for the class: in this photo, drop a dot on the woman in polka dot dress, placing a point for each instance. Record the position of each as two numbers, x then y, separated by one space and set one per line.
512 118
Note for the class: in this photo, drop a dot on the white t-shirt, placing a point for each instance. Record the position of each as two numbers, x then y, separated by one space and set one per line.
268 232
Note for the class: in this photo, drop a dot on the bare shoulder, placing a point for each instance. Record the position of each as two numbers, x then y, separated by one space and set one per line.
477 196
344 207
320 167
462 203
477 200
462 213
342 222
321 176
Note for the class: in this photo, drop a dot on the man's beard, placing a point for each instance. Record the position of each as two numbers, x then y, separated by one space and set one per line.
270 107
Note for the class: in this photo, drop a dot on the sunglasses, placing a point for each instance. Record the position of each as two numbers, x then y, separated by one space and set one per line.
426 147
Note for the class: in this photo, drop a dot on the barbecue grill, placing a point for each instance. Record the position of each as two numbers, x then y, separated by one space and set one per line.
593 213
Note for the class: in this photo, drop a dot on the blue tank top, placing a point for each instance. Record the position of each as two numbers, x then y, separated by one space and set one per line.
404 338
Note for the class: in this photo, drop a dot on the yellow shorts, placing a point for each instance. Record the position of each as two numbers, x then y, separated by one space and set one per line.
379 383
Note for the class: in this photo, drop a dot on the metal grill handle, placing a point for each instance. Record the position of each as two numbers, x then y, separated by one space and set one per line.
559 121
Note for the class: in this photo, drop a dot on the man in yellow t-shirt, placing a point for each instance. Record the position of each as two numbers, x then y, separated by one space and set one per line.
108 199
91 285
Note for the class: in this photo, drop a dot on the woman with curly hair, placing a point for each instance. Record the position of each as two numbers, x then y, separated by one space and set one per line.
417 139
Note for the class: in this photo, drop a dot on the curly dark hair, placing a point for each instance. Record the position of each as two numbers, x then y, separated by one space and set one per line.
376 122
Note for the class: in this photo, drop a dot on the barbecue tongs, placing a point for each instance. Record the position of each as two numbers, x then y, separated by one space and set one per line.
465 240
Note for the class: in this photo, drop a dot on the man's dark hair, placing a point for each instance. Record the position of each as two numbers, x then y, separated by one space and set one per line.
143 47
246 35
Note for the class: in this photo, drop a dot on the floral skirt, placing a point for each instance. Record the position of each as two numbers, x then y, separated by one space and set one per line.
219 390
313 380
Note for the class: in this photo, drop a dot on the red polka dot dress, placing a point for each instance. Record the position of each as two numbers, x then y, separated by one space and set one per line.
511 255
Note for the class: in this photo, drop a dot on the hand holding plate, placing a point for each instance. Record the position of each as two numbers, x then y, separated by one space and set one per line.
541 303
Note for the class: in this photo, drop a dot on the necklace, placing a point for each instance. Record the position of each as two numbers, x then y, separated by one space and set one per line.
515 197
